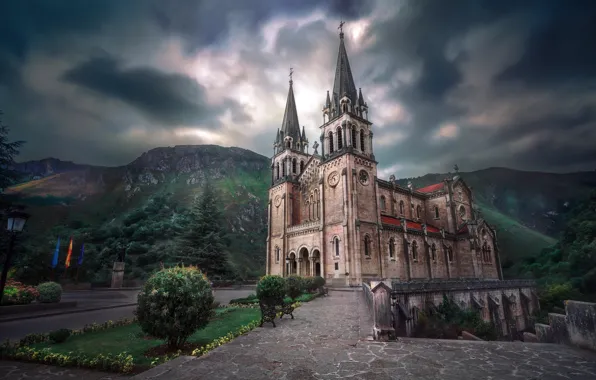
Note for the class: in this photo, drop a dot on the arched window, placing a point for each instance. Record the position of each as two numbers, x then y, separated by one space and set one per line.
283 168
418 211
391 248
340 138
362 141
433 253
311 214
336 246
354 137
383 203
301 166
288 144
330 136
401 207
277 171
317 206
366 245
294 165
462 212
449 254
489 256
415 251
436 212
277 254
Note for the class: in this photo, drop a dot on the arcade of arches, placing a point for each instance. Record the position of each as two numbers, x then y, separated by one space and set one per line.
304 263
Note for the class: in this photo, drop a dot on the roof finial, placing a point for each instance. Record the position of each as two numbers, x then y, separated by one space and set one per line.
341 28
291 72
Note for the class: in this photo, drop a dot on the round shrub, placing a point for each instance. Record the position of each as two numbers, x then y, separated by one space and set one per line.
15 293
174 303
294 286
49 292
309 284
319 282
271 288
59 336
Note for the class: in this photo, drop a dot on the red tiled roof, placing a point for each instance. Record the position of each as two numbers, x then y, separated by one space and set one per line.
432 188
390 220
410 224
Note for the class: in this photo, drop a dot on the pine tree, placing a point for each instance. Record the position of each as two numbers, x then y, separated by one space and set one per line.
203 242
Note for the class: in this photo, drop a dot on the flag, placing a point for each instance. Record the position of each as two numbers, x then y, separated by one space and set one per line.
56 254
80 262
67 263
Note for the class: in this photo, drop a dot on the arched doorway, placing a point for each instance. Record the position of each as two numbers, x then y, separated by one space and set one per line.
316 258
304 262
291 264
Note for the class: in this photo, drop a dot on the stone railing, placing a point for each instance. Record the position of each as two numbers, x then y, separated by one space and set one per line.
368 295
304 226
577 327
444 285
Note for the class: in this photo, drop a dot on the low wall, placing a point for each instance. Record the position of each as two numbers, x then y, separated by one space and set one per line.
577 327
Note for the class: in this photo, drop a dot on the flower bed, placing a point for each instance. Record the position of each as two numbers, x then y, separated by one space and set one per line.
121 346
16 293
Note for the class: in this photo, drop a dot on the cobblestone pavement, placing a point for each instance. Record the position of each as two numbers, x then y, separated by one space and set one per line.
22 371
325 341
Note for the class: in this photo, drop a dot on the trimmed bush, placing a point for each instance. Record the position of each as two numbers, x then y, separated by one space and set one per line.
49 292
319 281
59 336
271 288
309 284
294 286
174 303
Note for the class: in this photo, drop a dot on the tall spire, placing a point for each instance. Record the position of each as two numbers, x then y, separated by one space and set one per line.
344 81
290 126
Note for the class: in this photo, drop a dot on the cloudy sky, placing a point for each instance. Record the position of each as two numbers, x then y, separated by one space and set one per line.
478 83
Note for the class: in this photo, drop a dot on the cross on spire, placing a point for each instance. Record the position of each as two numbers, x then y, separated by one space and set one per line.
291 72
341 27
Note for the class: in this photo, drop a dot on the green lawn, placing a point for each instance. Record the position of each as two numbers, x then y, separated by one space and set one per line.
132 340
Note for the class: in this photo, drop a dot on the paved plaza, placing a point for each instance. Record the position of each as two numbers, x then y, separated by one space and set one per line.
329 339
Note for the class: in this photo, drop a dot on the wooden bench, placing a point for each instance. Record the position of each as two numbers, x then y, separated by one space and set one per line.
287 309
268 312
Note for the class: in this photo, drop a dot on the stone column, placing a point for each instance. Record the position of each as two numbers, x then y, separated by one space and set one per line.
345 142
322 138
299 269
117 274
370 144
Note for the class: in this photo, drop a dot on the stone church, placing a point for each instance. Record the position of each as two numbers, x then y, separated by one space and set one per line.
330 215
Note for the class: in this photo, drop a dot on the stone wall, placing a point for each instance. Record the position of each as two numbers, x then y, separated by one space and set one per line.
577 327
507 304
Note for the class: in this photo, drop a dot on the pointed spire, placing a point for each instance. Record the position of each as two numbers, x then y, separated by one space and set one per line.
303 134
344 81
360 98
290 125
328 101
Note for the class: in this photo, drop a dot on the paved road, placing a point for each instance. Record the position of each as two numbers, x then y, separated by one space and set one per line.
18 329
325 341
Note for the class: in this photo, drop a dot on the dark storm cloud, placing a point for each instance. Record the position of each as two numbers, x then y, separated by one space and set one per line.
171 99
205 22
561 48
558 51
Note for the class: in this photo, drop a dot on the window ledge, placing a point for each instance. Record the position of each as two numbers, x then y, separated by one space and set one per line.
392 259
336 258
367 257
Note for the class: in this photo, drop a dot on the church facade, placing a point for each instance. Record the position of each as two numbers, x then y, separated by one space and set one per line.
330 215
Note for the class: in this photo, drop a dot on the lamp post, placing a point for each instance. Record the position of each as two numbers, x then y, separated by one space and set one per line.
16 222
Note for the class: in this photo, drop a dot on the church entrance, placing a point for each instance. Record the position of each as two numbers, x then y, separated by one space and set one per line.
304 263
291 266
317 269
316 263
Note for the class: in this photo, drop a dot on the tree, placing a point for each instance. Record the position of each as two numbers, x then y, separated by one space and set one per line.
8 151
203 242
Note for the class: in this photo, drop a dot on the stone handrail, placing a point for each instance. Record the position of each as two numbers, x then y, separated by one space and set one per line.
368 295
459 284
304 226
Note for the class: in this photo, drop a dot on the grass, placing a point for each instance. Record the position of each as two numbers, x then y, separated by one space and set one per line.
252 299
132 340
515 240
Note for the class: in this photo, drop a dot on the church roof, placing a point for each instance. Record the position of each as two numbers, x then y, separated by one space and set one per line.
410 224
290 125
344 81
432 188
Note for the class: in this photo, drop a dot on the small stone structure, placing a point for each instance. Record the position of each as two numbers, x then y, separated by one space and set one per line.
508 304
577 327
117 274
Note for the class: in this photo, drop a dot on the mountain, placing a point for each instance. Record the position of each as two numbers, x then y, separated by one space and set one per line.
60 193
524 207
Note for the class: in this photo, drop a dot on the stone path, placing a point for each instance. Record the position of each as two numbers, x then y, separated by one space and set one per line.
327 340
22 371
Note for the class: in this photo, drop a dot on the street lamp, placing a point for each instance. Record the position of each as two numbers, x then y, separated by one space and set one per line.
16 223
